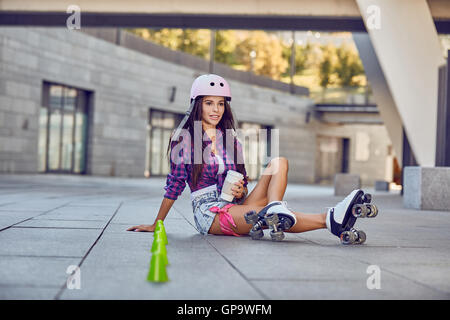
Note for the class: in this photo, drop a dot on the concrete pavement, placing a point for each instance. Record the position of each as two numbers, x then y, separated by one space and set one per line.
50 222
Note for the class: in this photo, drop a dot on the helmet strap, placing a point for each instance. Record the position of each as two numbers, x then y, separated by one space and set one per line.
177 132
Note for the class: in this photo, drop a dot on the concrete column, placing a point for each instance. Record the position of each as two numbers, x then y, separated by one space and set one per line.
405 40
381 92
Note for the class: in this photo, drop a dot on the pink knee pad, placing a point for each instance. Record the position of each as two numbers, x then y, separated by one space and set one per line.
225 219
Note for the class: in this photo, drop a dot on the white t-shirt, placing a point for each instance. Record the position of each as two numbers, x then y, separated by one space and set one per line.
221 165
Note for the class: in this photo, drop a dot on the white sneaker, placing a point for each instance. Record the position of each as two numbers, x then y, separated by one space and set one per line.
339 216
281 209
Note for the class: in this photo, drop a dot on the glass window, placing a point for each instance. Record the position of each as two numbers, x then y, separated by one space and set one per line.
70 96
165 163
169 120
67 143
80 136
80 142
54 139
256 148
42 154
156 154
56 97
156 118
162 123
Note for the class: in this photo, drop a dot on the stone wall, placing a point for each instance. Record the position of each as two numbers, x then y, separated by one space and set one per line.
375 138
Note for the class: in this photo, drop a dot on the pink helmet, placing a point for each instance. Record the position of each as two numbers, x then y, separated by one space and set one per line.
210 85
205 85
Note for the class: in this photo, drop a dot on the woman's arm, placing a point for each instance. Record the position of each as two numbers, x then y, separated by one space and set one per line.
163 211
175 184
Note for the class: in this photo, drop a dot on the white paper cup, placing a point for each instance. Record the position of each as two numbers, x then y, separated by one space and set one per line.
231 178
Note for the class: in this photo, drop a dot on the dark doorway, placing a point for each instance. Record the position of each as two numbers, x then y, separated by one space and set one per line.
345 154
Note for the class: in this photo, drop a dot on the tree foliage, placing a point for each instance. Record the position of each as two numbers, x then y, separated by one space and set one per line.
349 65
269 59
301 57
226 44
331 65
192 41
327 65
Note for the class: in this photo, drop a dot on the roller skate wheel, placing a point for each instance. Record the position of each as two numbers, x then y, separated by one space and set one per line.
256 234
286 224
356 211
277 236
367 198
251 217
361 237
348 237
373 211
359 211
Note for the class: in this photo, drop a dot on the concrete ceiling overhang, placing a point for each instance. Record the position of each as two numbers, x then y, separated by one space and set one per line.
324 15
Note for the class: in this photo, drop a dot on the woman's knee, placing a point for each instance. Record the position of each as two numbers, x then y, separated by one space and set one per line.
236 221
279 163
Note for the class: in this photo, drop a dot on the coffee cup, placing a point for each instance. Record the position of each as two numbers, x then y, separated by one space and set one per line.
231 178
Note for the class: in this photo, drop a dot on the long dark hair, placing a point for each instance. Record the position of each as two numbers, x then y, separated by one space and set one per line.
226 122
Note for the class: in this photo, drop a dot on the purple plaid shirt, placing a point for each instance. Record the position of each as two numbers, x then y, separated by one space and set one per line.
180 171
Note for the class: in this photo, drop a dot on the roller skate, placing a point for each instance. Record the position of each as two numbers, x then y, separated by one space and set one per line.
276 216
342 217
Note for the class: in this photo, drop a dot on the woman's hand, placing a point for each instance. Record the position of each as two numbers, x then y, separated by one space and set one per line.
238 189
143 228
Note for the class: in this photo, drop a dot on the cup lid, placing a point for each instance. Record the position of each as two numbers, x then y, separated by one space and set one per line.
235 173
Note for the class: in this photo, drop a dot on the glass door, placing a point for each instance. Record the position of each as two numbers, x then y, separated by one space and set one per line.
67 131
63 129
80 134
54 141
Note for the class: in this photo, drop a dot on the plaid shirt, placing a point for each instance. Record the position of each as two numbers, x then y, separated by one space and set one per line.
180 171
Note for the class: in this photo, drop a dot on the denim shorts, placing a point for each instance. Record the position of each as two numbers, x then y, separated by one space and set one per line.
200 205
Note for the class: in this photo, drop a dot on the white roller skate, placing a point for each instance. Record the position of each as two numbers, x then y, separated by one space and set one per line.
275 215
342 217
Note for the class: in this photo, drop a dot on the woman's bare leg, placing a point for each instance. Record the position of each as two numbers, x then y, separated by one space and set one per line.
305 222
272 184
278 170
270 187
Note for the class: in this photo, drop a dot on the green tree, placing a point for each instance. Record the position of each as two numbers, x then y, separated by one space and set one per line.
269 59
326 66
170 38
226 42
301 58
192 41
325 72
348 65
195 42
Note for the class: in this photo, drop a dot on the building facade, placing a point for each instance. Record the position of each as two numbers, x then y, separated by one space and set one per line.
82 103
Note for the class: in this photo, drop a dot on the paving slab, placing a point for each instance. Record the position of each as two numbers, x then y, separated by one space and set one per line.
15 292
36 205
95 213
64 224
47 241
391 287
24 271
137 214
9 218
6 222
